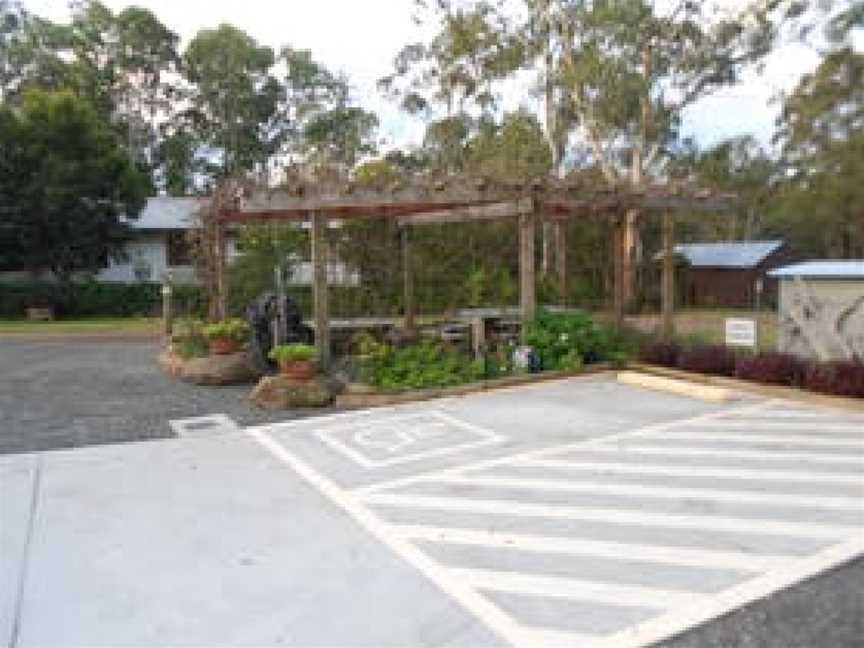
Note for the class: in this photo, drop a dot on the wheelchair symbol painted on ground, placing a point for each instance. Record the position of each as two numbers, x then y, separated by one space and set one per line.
376 441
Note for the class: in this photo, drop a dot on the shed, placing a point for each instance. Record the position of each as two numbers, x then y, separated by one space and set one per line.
730 274
821 309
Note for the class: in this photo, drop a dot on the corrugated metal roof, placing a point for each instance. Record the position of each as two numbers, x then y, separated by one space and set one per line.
822 269
167 213
738 254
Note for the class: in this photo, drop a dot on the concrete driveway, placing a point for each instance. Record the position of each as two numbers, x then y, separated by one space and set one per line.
572 513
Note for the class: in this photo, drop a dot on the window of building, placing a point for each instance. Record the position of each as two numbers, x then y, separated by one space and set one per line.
179 249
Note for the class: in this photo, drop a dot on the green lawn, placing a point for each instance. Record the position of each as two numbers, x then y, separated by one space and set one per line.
85 327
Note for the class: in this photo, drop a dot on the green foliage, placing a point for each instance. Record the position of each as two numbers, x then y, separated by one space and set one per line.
283 353
190 342
262 248
65 182
567 341
91 299
232 329
427 364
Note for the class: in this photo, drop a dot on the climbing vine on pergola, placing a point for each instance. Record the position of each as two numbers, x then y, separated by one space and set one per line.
435 200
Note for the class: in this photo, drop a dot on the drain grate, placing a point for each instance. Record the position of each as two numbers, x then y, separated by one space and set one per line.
201 426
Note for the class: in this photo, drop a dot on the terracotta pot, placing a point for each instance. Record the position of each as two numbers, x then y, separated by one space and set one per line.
224 346
298 370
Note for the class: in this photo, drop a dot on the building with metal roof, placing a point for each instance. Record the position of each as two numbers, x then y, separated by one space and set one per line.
730 254
822 270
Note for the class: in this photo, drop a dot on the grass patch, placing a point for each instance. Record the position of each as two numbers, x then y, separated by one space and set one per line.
85 327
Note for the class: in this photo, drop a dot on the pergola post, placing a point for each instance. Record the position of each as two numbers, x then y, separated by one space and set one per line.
320 302
220 286
668 327
561 260
527 266
618 253
407 278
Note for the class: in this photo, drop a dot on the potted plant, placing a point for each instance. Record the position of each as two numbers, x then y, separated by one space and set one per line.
226 336
296 361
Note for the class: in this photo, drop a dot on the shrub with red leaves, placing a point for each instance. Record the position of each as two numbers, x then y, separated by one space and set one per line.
661 353
837 378
773 368
716 360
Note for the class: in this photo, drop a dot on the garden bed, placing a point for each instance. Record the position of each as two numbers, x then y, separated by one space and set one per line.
351 399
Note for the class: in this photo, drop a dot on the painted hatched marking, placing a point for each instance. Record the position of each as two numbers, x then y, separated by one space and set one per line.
691 471
682 556
837 503
676 609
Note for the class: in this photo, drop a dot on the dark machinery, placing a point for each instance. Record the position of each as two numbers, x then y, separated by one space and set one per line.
274 323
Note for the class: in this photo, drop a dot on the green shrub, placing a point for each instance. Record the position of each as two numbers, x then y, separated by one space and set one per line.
92 299
566 341
427 364
190 341
282 353
232 329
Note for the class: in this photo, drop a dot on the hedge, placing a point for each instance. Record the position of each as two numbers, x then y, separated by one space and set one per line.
91 299
839 378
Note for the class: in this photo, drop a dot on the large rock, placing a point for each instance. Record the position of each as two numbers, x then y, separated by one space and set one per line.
229 369
280 393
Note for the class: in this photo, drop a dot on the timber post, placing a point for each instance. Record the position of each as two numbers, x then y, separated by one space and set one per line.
668 327
527 265
320 301
407 278
618 253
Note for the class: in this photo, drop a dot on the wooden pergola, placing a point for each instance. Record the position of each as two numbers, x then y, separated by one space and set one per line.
425 200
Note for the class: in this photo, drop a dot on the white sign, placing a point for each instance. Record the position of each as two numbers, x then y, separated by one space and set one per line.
741 332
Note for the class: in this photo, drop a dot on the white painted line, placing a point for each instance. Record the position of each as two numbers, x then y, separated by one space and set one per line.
793 427
616 516
576 589
682 556
488 613
543 638
596 442
814 458
662 492
782 440
690 471
702 611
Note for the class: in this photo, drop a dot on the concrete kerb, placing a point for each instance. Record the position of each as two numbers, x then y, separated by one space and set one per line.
676 386
377 399
757 389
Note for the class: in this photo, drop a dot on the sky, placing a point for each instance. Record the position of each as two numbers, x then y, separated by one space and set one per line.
361 38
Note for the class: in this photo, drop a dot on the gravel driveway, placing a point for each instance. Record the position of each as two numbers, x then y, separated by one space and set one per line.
61 393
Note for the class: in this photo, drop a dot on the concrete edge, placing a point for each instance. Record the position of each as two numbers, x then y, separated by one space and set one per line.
766 391
676 386
364 401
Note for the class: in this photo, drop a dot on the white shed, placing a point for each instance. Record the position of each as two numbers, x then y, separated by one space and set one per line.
821 309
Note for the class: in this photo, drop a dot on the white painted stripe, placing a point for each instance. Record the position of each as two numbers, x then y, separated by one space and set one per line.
681 556
595 442
661 492
796 427
576 589
699 612
496 619
615 516
543 638
814 458
689 471
780 439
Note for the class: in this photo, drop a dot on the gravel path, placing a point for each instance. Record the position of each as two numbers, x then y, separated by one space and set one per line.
62 393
